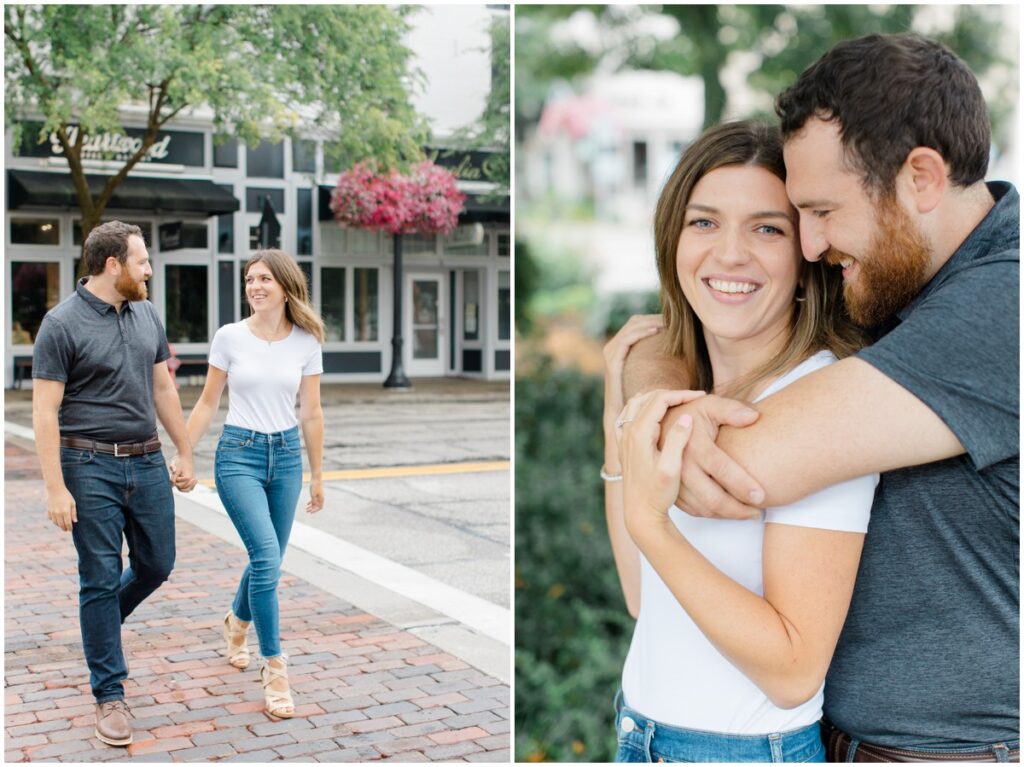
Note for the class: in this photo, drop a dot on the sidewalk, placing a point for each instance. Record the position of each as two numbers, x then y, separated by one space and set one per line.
365 690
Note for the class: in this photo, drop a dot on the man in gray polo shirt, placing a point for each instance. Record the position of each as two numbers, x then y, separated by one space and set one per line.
886 146
100 380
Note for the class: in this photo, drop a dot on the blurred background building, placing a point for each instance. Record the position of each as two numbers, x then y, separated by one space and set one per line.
607 97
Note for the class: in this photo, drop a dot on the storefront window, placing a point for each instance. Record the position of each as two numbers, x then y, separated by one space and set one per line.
186 304
254 239
471 306
265 160
195 235
365 289
35 289
332 302
504 307
145 226
226 155
303 156
467 245
304 224
35 231
413 244
226 227
255 196
365 241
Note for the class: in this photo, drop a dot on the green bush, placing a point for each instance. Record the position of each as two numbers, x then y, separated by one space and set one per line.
572 628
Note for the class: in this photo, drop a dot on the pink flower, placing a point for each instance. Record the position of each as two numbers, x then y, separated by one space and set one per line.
425 201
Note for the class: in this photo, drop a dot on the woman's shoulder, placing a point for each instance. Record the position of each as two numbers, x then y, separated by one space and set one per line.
231 330
816 361
304 337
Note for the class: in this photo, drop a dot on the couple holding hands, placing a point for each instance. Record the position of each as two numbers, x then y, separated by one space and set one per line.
774 623
101 380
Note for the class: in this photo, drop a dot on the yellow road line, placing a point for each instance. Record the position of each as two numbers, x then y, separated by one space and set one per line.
471 467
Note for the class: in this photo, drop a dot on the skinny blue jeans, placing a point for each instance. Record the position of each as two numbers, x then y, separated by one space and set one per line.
644 740
116 499
259 478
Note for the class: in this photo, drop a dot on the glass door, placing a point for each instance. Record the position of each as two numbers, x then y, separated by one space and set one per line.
425 330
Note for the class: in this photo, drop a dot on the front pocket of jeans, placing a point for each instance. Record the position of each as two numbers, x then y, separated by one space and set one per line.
229 444
73 457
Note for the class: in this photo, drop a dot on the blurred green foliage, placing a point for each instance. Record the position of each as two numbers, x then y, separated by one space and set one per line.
572 628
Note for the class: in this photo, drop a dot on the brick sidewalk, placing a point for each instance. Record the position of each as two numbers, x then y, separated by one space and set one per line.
364 689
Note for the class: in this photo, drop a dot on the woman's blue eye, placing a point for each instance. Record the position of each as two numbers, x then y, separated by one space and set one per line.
769 229
701 223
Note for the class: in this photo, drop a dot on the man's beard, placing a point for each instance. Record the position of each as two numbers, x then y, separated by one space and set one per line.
893 273
129 288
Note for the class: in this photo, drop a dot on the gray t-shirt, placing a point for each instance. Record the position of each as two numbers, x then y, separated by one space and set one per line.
105 360
929 655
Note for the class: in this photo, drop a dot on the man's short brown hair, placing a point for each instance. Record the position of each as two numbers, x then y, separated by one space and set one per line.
889 94
106 240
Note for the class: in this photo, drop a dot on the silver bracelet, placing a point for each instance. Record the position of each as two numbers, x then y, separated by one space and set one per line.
610 477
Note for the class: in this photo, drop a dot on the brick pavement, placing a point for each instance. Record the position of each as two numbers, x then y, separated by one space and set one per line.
364 689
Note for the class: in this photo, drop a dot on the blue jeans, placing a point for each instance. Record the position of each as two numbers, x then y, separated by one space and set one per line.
114 497
259 478
644 740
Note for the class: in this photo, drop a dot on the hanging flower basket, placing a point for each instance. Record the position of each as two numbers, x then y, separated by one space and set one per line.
424 201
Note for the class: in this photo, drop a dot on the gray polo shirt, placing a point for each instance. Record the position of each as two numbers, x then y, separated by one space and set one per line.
929 655
105 359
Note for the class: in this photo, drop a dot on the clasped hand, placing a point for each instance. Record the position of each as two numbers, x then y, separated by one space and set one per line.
689 469
183 476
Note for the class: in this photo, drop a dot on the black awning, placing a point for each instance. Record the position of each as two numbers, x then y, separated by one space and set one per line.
483 209
159 195
478 208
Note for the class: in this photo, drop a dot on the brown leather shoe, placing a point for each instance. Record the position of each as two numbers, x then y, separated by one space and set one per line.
113 723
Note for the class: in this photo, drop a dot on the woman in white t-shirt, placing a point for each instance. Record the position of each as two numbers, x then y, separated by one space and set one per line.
265 361
737 620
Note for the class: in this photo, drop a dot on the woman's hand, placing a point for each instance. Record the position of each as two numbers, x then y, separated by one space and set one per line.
638 327
316 496
651 476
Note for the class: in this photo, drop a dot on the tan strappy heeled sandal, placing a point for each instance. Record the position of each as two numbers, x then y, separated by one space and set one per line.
235 633
279 702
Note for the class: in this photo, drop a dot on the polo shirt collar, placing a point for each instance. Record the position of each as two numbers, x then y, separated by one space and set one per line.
997 231
100 306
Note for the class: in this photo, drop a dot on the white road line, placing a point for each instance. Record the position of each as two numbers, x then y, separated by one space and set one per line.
485 617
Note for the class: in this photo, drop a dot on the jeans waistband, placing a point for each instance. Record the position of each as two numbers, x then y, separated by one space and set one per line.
671 743
262 437
842 747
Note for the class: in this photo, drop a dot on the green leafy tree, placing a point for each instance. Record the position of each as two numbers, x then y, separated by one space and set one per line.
263 70
492 131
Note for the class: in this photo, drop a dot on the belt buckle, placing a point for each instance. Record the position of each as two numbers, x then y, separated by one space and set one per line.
120 455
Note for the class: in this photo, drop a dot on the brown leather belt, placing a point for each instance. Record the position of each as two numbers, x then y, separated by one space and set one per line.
837 749
116 449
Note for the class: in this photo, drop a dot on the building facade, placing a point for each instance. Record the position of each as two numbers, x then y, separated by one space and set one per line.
199 207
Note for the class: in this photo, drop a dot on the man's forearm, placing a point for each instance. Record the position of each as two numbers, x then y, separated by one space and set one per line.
648 366
47 433
847 420
168 410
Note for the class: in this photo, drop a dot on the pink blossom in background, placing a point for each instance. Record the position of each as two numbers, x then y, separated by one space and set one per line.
425 201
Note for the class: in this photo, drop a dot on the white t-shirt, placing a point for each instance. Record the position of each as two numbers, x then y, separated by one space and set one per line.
673 674
263 378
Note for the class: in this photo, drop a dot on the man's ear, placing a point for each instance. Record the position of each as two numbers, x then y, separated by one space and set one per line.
111 264
924 177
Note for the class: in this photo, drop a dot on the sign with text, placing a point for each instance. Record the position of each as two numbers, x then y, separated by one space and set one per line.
170 236
170 147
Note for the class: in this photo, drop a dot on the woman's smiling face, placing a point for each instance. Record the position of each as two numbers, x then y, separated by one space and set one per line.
738 256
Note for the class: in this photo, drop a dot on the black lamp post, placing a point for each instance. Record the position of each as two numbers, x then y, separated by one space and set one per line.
396 378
